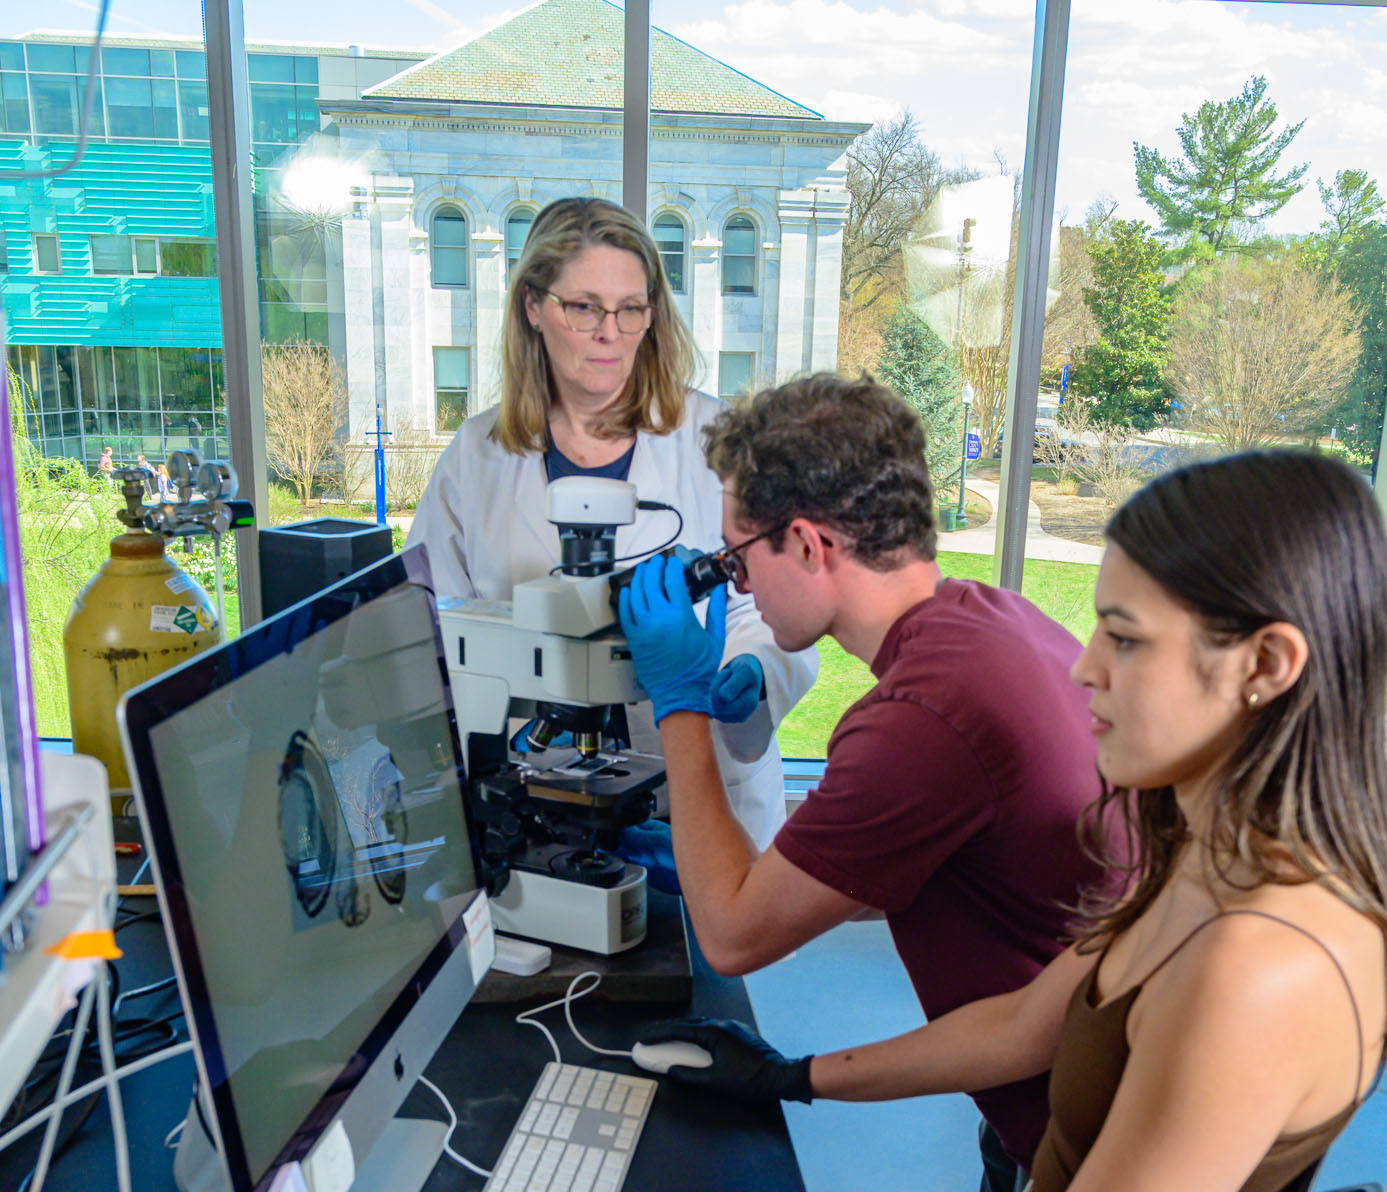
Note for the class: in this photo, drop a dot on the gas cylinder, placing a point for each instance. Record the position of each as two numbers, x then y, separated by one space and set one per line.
138 616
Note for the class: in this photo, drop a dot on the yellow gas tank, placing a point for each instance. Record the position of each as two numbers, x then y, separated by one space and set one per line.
138 616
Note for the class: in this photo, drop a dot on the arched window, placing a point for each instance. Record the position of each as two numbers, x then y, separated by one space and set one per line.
669 239
739 256
517 228
449 244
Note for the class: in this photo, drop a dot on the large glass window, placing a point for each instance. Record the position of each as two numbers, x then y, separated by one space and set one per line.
669 238
739 256
129 108
450 387
192 108
110 254
188 258
449 243
14 102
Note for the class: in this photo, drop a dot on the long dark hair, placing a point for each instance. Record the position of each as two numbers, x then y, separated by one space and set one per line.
1244 541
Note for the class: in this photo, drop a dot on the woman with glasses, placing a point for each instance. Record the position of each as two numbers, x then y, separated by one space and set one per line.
596 372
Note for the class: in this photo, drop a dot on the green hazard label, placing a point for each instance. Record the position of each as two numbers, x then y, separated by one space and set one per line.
186 619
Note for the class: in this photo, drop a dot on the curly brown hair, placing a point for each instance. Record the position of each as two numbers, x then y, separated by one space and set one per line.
849 454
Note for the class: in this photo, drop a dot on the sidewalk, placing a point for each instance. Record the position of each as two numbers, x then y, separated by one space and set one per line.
982 540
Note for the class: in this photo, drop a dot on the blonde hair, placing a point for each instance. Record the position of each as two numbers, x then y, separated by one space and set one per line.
653 398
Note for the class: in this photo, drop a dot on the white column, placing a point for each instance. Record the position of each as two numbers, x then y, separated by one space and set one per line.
489 302
793 307
358 333
706 318
394 198
832 211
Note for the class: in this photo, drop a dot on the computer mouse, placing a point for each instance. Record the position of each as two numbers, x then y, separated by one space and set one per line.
660 1057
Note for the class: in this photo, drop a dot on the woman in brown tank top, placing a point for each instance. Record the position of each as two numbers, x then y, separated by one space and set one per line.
1215 1026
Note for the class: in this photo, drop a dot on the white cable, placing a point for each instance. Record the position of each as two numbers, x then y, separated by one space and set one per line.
525 1019
452 1125
108 1066
60 1099
36 1120
171 1138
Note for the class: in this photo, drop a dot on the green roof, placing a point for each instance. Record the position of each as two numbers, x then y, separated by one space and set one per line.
569 53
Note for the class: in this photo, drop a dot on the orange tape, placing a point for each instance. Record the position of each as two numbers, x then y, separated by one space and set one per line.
87 945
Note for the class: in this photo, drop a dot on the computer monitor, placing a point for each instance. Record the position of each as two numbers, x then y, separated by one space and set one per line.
302 792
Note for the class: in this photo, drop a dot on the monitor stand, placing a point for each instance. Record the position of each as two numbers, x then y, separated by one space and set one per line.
402 1159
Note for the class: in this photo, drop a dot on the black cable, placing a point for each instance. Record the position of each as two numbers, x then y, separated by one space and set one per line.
673 538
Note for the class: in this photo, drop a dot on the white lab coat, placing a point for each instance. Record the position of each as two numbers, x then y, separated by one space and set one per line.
483 520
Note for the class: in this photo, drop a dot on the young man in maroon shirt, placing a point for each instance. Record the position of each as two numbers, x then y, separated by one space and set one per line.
953 787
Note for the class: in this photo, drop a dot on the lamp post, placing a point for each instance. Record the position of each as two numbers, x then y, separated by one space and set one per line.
380 435
963 463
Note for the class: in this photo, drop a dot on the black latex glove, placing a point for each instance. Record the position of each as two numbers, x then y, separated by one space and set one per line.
744 1065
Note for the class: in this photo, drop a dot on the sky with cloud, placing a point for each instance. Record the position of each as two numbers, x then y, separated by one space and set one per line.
961 66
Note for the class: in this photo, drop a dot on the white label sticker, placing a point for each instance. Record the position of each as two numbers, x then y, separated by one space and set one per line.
330 1166
180 583
481 936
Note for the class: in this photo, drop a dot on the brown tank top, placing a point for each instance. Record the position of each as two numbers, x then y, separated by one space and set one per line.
1089 1062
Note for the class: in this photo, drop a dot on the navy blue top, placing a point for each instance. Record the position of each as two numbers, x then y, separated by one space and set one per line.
557 465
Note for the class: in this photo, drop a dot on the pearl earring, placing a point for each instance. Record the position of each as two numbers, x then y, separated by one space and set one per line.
1252 699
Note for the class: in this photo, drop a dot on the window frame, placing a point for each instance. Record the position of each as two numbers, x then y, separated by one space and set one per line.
449 213
670 219
723 358
40 238
514 214
438 390
128 257
743 223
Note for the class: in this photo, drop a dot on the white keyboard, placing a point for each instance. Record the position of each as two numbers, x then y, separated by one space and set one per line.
576 1133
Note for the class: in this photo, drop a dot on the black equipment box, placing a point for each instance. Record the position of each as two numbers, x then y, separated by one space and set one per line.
301 559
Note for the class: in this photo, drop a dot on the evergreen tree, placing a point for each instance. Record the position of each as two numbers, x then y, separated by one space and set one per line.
1361 270
916 364
1351 205
1123 372
1225 181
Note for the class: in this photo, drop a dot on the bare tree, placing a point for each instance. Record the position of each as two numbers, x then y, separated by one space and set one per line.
892 178
410 456
305 394
1260 348
1094 453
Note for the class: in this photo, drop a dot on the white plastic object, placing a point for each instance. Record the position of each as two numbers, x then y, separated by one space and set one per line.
521 958
591 501
660 1057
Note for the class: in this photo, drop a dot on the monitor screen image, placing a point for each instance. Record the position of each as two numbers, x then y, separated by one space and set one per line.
303 796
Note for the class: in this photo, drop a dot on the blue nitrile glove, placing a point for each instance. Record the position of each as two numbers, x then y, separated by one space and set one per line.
676 658
744 1064
649 845
737 689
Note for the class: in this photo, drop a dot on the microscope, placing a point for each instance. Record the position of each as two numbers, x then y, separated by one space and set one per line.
553 657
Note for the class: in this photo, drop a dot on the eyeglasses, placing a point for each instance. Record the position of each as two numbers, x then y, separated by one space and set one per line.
588 316
729 560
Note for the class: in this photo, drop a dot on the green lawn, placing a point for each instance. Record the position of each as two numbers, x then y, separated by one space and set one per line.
1063 590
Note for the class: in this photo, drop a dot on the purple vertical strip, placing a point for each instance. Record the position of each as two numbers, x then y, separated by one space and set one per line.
18 622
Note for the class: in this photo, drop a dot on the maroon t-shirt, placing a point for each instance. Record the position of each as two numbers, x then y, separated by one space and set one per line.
950 802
